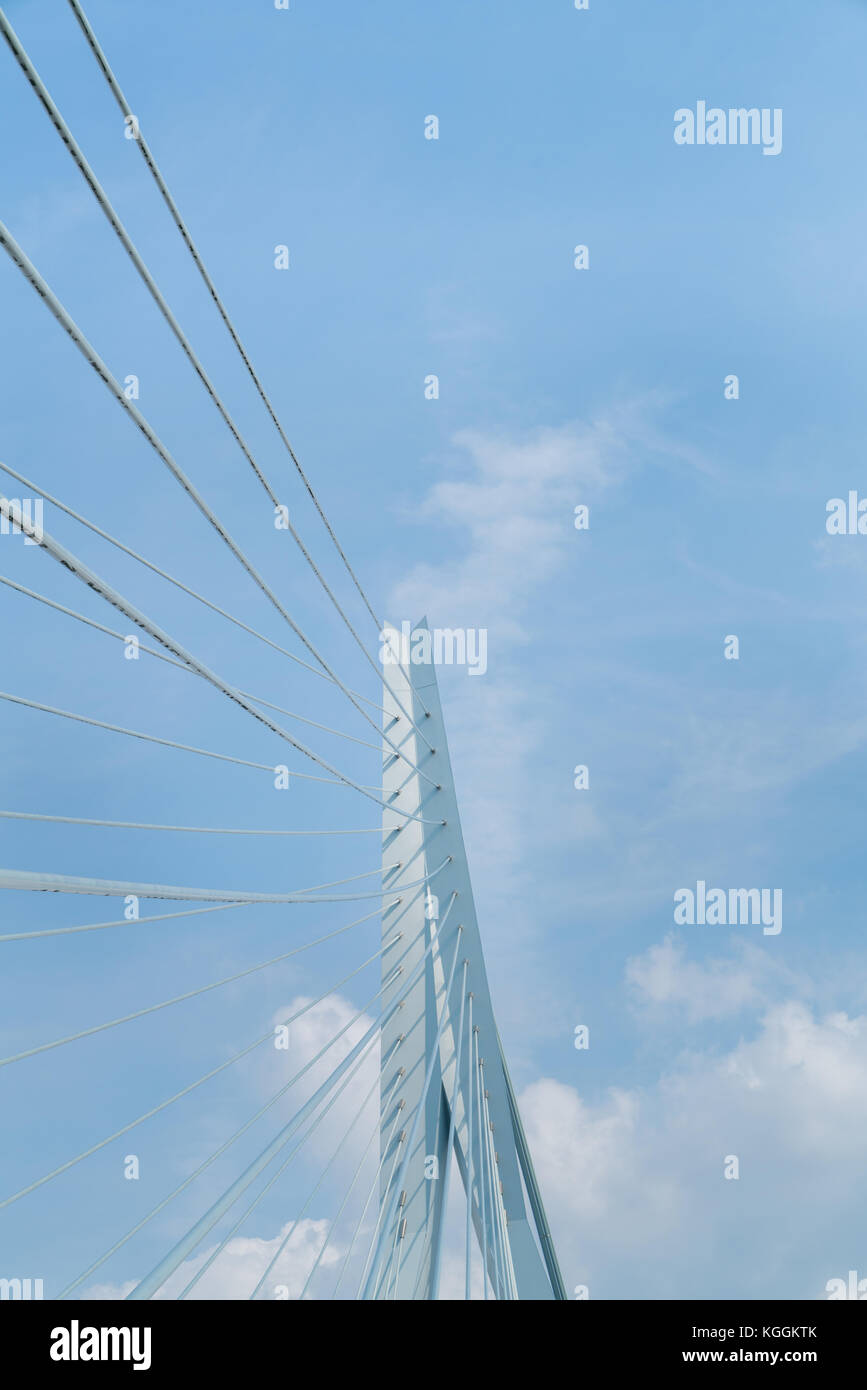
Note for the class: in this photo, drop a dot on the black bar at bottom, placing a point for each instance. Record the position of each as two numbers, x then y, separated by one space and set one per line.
62 1339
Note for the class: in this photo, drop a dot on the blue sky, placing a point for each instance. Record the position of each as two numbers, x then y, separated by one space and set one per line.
557 387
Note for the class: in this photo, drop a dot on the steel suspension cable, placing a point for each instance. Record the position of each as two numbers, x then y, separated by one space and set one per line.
388 1266
218 1249
25 880
482 1183
438 1251
186 829
470 1163
172 661
399 1074
25 883
400 1236
496 1232
46 294
121 922
173 743
376 1180
157 1277
178 584
149 1285
420 1106
373 1240
508 1267
178 1095
337 1215
100 586
227 1144
117 226
212 290
164 1004
343 1138
497 1281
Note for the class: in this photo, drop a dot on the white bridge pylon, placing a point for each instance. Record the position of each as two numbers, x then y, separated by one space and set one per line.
444 1080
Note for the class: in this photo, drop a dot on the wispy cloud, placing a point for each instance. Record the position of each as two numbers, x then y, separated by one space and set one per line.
635 1183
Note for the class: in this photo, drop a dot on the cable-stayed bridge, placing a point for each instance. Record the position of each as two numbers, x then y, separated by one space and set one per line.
428 1163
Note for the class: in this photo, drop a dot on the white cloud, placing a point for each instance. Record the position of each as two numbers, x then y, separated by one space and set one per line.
634 1181
515 506
663 977
237 1269
307 1036
509 505
344 1138
634 1184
